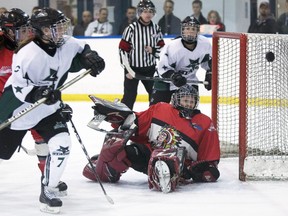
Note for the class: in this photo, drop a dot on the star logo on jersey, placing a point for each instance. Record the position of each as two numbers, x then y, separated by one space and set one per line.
165 67
52 76
59 125
206 58
194 64
173 65
62 151
18 89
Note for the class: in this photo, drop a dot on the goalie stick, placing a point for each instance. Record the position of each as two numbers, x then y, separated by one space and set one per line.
140 77
90 162
41 101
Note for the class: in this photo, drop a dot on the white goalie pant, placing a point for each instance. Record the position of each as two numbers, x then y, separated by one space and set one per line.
59 149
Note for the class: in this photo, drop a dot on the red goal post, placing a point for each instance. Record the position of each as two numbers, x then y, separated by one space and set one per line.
250 102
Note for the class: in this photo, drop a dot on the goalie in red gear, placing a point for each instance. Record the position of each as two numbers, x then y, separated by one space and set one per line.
172 142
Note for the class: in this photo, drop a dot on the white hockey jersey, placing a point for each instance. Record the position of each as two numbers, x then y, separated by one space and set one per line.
174 56
32 66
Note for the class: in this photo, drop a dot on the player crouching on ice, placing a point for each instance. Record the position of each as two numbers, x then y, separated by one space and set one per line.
170 142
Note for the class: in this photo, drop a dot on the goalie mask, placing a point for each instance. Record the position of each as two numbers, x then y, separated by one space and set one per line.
190 27
145 5
15 27
186 100
51 26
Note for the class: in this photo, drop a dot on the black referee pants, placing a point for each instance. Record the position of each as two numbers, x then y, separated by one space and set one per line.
131 85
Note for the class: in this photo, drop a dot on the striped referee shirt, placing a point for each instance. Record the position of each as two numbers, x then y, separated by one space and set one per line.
134 40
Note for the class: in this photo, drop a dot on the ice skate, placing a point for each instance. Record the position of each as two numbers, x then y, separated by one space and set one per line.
49 202
163 173
62 189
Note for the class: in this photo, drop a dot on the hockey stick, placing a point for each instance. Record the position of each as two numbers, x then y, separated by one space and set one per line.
30 152
41 101
140 77
90 162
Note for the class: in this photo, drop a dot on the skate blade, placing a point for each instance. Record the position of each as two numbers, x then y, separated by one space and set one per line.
163 176
48 209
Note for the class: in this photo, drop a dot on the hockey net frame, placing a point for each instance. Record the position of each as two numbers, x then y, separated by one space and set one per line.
250 111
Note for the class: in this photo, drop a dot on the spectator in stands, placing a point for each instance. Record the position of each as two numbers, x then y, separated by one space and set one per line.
197 7
170 24
35 8
79 29
67 10
101 26
2 10
130 18
214 18
265 23
282 21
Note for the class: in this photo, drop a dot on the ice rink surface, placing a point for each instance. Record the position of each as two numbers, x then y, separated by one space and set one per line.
20 185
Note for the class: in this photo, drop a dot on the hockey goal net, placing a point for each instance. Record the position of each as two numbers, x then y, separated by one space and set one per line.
250 102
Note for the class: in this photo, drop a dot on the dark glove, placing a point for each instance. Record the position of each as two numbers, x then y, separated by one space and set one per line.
208 78
178 80
52 95
66 112
92 60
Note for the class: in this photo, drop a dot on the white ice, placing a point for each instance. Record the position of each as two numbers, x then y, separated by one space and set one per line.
20 186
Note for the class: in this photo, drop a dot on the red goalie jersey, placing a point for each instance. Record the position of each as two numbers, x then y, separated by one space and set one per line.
157 127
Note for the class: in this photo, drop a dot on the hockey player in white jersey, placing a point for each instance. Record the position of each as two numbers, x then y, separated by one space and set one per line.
181 59
39 67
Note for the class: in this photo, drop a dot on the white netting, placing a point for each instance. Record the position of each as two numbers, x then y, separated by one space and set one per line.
267 104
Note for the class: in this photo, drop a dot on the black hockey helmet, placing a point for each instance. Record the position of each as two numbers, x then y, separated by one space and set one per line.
14 25
145 5
185 108
51 25
187 23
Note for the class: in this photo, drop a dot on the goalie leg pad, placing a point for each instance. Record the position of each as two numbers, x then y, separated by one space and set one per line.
114 154
164 170
103 170
111 162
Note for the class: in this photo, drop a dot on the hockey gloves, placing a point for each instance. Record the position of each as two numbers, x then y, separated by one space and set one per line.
208 78
94 61
52 95
178 80
201 171
66 112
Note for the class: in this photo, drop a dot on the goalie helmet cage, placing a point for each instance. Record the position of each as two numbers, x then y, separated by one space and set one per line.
250 102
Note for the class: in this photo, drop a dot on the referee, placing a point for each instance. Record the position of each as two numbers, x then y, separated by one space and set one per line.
141 43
